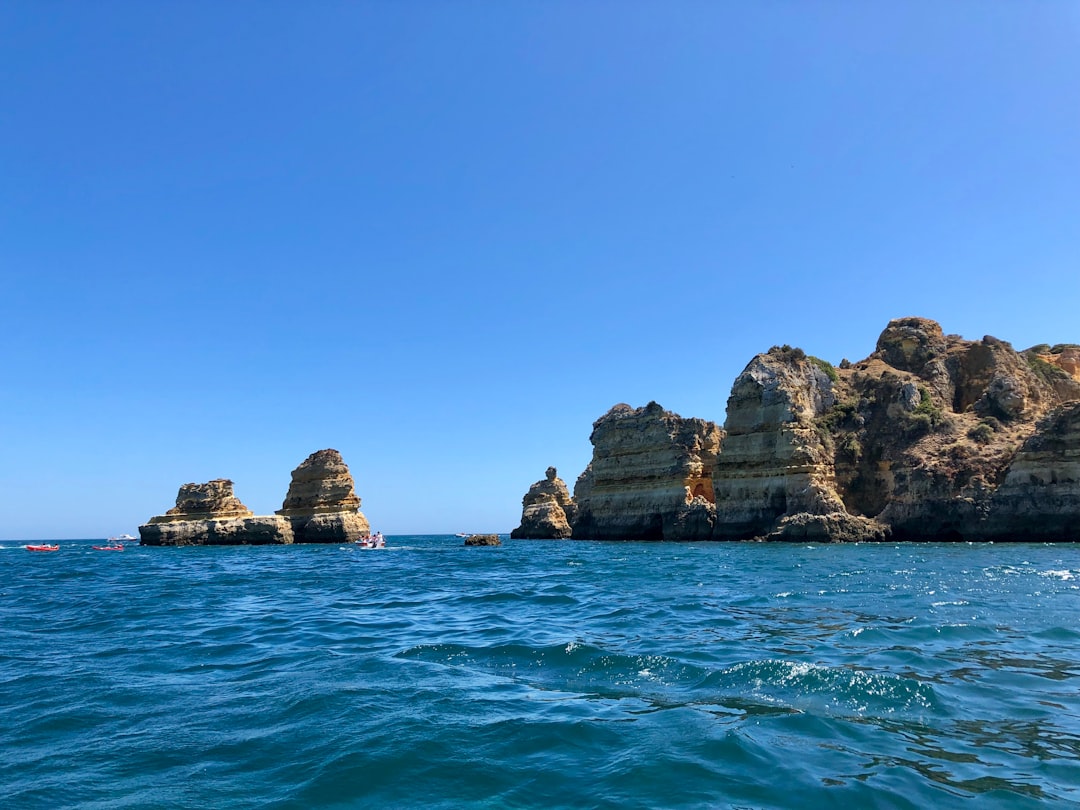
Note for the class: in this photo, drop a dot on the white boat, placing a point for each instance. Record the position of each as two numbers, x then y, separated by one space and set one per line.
374 541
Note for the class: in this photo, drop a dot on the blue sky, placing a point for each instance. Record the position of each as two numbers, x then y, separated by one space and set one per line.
445 237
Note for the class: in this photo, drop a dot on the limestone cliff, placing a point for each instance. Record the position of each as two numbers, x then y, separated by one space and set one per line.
1039 499
774 463
911 442
931 437
210 514
547 510
650 477
322 504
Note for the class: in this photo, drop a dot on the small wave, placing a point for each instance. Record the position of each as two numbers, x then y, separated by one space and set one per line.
574 667
807 686
1063 574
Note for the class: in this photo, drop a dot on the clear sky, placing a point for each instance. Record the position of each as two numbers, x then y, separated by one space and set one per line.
445 237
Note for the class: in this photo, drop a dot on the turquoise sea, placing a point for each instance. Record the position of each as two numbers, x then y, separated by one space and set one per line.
541 674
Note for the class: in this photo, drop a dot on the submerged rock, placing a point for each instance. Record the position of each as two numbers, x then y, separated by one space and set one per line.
483 540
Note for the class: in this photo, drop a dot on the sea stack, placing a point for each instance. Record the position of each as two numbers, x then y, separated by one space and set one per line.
210 514
321 504
650 477
547 510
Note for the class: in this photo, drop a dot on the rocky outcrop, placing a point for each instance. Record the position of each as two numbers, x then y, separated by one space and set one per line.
911 443
209 514
547 510
774 461
931 437
1039 499
322 504
650 477
483 540
321 507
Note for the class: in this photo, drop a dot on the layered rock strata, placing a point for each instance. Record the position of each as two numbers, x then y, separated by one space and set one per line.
911 443
320 507
210 514
931 437
773 462
650 477
547 510
1039 499
322 504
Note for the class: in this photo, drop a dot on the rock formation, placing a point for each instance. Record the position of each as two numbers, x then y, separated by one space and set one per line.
1039 499
774 462
483 540
547 510
650 477
209 514
931 437
321 507
322 504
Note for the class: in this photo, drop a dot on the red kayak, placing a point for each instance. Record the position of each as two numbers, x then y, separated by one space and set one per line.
43 548
107 548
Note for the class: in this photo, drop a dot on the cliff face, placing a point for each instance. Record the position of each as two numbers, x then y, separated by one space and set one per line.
322 504
546 510
209 514
931 437
911 442
774 463
650 477
1039 499
321 507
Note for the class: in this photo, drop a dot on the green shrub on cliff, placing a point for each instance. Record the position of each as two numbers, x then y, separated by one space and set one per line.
927 415
787 352
825 366
1048 373
852 447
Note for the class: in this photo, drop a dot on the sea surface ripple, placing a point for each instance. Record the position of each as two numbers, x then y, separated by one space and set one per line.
541 674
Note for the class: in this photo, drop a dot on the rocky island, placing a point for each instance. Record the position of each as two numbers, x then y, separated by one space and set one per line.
321 507
931 437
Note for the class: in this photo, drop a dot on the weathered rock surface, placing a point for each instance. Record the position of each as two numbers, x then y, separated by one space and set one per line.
321 507
910 443
209 514
212 500
649 465
931 437
322 504
774 462
483 540
1039 500
547 510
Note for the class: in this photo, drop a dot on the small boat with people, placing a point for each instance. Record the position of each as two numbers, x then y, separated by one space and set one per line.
372 541
114 545
43 547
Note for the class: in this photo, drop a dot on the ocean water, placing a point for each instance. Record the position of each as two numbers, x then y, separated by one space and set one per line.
541 674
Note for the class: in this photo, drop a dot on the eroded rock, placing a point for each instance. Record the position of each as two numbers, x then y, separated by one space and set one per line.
547 510
322 504
636 485
210 514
